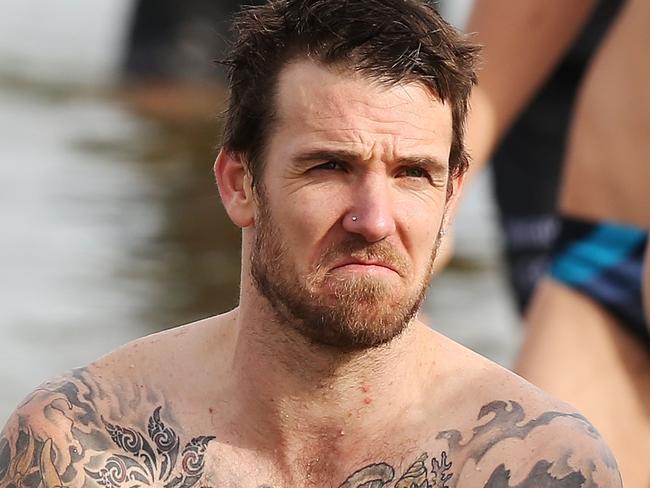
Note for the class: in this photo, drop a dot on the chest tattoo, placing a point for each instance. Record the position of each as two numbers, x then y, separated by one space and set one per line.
63 441
152 459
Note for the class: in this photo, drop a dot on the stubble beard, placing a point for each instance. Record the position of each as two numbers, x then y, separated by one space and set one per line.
348 313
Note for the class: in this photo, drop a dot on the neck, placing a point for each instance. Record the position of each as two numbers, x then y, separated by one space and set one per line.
309 397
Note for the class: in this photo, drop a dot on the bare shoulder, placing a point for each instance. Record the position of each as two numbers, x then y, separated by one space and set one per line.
85 430
520 436
45 439
160 357
487 427
524 444
507 445
116 417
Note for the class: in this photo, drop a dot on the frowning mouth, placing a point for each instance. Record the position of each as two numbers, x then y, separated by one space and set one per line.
364 265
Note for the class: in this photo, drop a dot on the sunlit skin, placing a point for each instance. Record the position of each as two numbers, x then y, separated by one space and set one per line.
357 159
258 404
350 204
391 172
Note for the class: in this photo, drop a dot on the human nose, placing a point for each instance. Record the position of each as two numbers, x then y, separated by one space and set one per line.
371 212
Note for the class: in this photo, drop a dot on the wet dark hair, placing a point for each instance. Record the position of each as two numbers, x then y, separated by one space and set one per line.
390 41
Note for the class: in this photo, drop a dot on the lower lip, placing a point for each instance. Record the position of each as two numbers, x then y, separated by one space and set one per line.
357 268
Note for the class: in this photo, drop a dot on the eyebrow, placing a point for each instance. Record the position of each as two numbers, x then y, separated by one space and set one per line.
433 164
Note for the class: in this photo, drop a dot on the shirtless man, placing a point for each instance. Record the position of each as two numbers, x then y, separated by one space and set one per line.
587 315
343 153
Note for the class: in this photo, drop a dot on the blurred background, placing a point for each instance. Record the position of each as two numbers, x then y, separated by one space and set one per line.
111 222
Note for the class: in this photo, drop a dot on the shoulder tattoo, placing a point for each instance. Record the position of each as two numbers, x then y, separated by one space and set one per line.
58 439
506 421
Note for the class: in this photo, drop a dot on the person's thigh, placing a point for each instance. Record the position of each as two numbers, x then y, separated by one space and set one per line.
646 285
607 173
575 350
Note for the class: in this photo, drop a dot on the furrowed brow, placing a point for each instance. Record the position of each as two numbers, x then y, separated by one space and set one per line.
433 165
326 155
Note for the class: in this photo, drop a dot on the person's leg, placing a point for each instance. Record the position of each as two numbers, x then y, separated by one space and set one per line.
646 285
587 341
581 354
528 162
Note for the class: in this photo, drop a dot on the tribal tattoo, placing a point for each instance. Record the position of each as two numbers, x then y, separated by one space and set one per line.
155 463
62 440
59 439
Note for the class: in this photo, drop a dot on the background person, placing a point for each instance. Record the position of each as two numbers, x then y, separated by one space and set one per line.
527 164
587 315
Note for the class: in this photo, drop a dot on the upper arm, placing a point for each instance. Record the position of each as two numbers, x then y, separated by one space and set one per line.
26 459
43 440
522 43
530 443
82 430
568 452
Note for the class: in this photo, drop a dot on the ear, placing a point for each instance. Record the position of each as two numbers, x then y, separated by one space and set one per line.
456 187
235 187
446 250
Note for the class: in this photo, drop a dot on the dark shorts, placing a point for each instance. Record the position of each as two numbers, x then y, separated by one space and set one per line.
528 164
172 40
605 262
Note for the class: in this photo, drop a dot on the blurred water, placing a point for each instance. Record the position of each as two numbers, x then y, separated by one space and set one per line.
111 225
68 218
67 40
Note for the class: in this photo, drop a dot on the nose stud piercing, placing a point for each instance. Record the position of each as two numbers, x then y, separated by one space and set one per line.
354 218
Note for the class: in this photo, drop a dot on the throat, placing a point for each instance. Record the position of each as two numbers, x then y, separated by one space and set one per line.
313 406
327 463
294 384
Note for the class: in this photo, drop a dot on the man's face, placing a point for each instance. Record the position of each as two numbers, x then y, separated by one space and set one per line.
350 204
